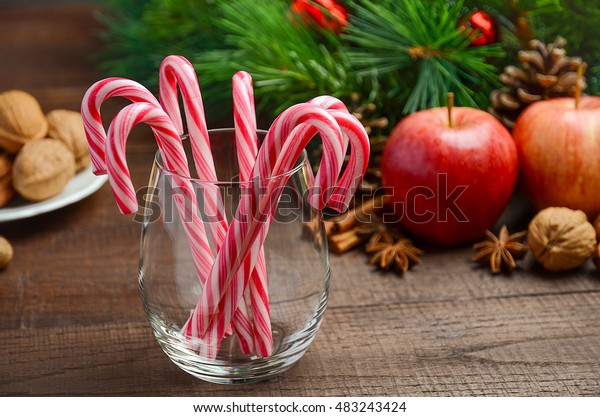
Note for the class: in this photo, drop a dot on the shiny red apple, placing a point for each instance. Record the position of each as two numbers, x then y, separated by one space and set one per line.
449 183
559 153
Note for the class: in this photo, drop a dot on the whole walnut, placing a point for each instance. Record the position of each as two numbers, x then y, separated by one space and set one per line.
561 238
596 257
67 126
6 188
6 252
42 169
21 120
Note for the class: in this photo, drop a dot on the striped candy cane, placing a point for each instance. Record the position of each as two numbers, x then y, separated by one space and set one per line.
175 161
92 120
248 229
247 148
295 137
176 71
356 136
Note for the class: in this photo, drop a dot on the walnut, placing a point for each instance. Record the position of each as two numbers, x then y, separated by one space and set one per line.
67 126
21 120
596 257
7 191
42 169
597 227
6 252
561 238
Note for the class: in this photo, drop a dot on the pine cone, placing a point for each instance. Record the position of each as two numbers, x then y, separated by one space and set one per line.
547 72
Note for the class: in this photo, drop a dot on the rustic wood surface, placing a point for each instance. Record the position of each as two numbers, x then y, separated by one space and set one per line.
71 320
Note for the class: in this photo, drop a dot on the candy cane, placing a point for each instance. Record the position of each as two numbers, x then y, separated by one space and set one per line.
248 229
355 135
176 71
247 149
92 120
297 137
175 161
332 103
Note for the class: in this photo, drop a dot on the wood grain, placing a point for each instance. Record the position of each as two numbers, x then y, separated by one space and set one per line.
71 320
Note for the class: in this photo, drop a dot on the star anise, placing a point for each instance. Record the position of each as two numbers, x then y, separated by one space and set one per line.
501 250
399 255
372 227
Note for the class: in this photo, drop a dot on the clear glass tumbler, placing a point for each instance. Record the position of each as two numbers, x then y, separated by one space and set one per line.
297 269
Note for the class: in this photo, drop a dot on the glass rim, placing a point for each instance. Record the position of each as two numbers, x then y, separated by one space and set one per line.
297 165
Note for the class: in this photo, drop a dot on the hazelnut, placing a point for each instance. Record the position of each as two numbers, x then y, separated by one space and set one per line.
42 169
21 120
6 252
561 238
67 126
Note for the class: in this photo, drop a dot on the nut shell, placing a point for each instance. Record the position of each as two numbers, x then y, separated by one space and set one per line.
67 126
7 191
596 257
5 164
42 169
6 252
597 227
21 120
561 238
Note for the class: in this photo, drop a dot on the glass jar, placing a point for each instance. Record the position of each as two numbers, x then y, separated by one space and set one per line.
297 266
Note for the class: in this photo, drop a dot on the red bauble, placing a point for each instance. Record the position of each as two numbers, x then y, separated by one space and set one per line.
486 27
449 184
334 17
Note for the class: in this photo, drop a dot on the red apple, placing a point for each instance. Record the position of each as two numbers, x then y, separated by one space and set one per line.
559 153
449 183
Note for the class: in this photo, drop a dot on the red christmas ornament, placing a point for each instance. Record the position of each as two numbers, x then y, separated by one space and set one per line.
328 14
486 27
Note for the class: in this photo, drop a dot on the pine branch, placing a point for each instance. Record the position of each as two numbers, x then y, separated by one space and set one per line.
419 47
578 21
288 61
139 35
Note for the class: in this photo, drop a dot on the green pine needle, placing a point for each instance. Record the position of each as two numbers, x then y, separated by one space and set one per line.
419 47
289 62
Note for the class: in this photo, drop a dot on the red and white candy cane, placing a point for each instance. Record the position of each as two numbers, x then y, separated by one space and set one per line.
247 149
244 117
250 225
174 160
176 71
296 138
354 135
92 120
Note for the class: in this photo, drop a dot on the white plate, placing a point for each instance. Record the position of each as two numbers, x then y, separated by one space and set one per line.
81 185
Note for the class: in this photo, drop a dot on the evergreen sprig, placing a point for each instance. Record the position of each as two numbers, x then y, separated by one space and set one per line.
419 53
289 62
512 14
403 55
578 21
139 35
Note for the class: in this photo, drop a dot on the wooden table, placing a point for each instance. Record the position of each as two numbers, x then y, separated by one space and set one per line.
71 320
